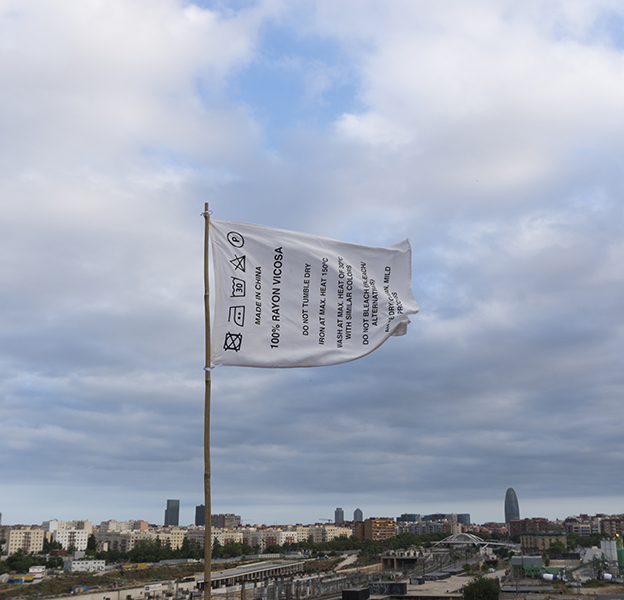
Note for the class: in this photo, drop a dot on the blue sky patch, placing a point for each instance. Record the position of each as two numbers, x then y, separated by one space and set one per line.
296 80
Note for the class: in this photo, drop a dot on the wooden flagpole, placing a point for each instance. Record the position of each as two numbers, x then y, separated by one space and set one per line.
207 504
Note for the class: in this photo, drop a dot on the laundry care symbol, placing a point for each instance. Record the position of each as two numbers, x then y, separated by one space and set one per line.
233 341
236 239
239 263
237 315
238 288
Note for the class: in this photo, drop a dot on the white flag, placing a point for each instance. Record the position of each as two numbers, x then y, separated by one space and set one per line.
287 299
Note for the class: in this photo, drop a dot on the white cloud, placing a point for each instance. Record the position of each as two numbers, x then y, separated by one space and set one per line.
488 134
490 97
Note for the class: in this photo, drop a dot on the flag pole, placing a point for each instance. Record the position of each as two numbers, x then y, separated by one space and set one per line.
207 504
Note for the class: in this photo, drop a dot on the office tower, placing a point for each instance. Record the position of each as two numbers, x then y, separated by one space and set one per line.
357 515
463 518
339 515
408 518
435 517
512 508
172 513
200 515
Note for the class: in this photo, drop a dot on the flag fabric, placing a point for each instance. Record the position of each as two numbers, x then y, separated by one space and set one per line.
288 299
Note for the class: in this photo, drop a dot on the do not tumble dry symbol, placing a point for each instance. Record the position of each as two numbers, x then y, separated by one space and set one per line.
233 341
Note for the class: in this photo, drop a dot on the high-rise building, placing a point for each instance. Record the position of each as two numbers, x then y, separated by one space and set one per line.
200 515
436 517
339 515
172 513
357 515
512 508
463 518
408 518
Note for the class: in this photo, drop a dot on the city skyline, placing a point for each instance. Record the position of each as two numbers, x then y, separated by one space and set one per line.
486 133
245 520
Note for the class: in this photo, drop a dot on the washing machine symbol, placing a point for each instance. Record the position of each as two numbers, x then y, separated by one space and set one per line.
238 287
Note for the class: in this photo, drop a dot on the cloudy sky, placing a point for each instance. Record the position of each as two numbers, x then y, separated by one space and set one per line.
490 133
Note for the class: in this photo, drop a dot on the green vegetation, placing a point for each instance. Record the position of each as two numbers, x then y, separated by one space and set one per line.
152 551
20 562
574 540
49 545
235 549
370 547
481 588
367 548
557 548
503 552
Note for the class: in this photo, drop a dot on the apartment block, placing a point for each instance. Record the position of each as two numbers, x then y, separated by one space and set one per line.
584 525
252 536
424 527
124 541
227 521
197 535
113 525
535 525
174 536
334 532
68 538
612 526
300 532
316 533
277 537
375 528
537 543
226 536
28 539
56 525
